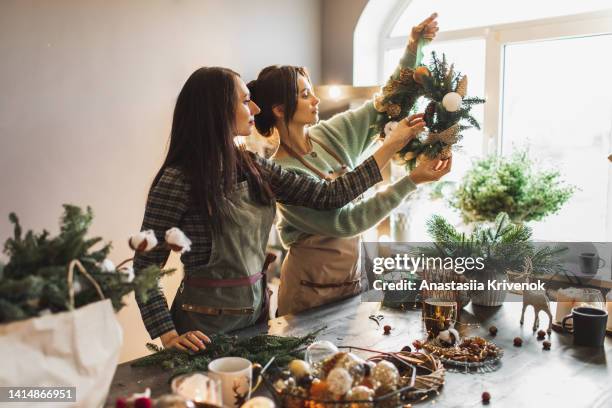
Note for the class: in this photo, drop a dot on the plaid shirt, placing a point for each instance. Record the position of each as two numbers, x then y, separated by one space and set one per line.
169 205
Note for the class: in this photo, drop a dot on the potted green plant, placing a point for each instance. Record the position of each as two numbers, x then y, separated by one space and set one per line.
502 247
512 185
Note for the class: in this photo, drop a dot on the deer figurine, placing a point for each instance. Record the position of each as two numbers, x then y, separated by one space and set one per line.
536 298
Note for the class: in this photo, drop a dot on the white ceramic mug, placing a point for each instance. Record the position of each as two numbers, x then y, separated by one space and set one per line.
236 375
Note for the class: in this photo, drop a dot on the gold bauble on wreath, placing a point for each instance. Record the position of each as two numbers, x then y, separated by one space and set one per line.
419 75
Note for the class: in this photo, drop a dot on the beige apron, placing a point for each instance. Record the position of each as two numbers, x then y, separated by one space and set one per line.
319 269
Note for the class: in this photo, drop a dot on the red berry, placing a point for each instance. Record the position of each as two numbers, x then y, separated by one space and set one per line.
486 397
121 403
518 342
387 329
546 345
143 402
541 334
493 330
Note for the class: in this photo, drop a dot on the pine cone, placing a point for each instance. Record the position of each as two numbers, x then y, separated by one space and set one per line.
391 87
450 135
405 75
394 110
379 103
462 86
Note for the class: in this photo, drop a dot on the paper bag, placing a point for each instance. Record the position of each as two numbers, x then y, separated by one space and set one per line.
77 348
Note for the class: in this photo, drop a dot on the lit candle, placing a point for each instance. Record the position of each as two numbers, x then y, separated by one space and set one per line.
198 388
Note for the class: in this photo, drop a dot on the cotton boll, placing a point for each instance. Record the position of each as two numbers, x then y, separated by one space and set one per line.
107 266
177 240
127 274
143 241
452 101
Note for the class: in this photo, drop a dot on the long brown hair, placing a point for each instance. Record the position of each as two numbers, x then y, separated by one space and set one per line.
202 144
275 85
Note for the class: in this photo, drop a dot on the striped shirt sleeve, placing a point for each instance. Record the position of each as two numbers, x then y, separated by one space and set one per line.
166 205
299 189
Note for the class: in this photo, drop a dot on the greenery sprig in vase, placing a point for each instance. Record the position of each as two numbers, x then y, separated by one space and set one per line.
512 185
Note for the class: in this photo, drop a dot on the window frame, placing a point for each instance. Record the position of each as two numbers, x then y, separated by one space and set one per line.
497 37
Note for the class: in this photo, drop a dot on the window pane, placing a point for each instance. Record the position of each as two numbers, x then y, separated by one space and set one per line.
561 108
456 15
469 58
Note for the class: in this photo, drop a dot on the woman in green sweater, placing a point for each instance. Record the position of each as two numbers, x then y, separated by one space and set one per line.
321 263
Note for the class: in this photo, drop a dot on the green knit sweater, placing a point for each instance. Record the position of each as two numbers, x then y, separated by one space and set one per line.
349 134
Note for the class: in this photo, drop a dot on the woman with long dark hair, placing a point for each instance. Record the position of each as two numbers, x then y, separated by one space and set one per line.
223 198
323 246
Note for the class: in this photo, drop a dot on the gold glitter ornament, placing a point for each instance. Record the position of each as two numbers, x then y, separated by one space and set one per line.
339 381
361 393
299 368
386 373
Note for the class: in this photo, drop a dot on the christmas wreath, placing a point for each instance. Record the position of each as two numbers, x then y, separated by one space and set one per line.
447 114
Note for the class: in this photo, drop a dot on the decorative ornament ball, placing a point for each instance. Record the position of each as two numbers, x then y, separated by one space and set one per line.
361 393
319 351
299 368
318 389
339 381
386 372
419 74
259 402
452 101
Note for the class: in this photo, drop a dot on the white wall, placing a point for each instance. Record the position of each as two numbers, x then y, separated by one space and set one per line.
87 90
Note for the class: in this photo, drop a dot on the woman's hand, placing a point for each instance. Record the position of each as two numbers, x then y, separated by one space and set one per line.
406 130
426 29
192 340
430 170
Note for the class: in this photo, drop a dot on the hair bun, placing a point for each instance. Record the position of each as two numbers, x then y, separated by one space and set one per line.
252 85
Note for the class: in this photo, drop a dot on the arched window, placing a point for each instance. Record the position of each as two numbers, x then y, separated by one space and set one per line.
543 67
